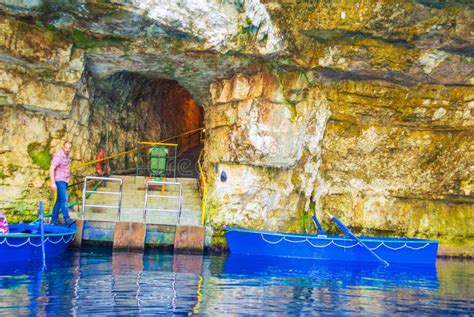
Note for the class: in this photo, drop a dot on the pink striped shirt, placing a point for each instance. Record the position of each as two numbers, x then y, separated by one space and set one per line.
61 163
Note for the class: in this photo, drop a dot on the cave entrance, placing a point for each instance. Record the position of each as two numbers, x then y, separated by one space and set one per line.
142 109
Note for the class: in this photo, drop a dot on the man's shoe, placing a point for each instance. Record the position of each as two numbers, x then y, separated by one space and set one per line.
55 223
70 222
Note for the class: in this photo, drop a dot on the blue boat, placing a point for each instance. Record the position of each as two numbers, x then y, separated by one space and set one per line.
23 242
332 247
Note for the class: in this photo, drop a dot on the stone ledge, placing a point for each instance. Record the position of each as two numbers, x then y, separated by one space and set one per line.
448 251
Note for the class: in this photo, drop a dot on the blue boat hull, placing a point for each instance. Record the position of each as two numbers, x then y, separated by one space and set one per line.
338 248
23 243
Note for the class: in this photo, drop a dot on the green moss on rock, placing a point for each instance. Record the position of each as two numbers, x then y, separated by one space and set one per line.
21 212
295 180
84 41
218 240
292 107
39 154
12 168
47 74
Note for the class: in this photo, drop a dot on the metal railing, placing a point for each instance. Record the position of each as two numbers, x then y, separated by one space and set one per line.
202 188
185 135
188 140
179 198
86 193
156 159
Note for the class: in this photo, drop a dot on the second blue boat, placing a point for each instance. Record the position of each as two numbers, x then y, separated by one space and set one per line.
330 247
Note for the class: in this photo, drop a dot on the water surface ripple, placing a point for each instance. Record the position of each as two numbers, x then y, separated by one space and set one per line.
99 282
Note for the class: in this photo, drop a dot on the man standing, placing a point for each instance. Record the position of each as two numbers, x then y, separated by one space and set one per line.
59 173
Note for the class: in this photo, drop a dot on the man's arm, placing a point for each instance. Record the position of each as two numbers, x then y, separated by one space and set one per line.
51 176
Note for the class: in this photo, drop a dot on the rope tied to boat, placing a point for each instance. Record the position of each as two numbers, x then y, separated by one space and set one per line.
306 240
28 241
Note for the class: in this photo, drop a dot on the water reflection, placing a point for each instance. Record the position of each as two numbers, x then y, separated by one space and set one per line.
139 285
90 283
308 272
303 287
99 282
307 287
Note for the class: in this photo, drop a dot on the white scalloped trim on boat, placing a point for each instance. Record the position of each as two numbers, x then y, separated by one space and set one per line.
28 241
343 246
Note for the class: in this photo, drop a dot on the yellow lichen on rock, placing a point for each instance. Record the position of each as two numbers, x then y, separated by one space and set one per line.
33 43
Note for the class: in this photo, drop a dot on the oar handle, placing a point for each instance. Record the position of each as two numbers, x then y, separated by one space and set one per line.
344 228
318 225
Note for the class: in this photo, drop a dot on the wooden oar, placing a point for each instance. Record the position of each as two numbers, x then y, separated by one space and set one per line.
318 224
349 232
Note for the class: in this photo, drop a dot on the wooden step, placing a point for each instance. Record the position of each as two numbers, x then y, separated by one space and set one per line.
140 201
136 215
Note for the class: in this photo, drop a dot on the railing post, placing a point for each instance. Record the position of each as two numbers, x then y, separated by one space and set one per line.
146 202
85 192
179 199
84 189
175 162
180 203
137 164
120 199
203 188
204 198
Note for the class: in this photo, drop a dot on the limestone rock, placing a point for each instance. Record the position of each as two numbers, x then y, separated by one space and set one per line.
216 23
365 110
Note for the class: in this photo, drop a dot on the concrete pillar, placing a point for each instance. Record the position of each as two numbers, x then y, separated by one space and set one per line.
189 238
129 236
98 231
77 241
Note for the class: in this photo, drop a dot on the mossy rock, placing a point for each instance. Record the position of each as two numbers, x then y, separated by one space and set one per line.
12 168
47 74
296 180
22 212
39 154
81 40
84 41
218 240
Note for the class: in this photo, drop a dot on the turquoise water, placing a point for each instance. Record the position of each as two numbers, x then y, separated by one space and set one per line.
98 282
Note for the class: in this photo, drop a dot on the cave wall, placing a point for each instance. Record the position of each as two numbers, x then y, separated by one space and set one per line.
136 107
363 109
405 166
265 133
43 100
386 158
389 148
48 95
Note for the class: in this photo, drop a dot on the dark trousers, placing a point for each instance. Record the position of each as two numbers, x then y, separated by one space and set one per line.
61 203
